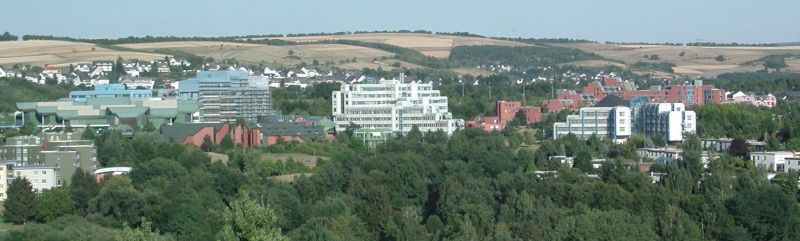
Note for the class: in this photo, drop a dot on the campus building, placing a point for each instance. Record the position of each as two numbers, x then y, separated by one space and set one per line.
506 111
668 121
109 112
392 104
224 96
373 137
247 135
110 90
604 122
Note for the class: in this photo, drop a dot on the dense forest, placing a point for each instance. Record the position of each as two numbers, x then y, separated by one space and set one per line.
517 56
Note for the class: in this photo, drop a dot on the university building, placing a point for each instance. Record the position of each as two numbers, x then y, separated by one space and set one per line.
224 96
394 105
605 122
668 121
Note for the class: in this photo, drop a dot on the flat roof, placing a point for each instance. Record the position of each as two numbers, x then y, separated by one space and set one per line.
111 170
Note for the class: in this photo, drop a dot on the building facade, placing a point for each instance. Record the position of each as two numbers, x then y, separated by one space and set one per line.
225 96
41 176
373 137
392 104
668 121
605 122
64 150
110 90
772 161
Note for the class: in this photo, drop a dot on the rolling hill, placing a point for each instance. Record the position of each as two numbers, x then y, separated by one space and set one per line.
370 51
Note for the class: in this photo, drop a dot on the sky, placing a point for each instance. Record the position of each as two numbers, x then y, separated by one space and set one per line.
743 21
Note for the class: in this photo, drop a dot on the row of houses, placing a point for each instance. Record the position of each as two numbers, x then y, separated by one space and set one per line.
693 93
90 74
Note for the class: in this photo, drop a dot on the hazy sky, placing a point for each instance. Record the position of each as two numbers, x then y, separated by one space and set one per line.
601 20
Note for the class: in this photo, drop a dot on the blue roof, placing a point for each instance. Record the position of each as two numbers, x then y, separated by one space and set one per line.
110 90
216 75
109 87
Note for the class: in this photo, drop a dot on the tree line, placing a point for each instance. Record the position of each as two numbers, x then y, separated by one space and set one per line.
8 37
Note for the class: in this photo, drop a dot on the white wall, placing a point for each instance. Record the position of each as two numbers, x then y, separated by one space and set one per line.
40 178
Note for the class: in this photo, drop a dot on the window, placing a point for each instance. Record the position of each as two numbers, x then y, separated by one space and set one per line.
44 180
44 172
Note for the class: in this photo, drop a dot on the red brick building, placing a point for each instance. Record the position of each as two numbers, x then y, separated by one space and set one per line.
245 135
506 110
505 113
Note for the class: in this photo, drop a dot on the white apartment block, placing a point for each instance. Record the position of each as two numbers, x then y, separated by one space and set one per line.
605 122
773 161
392 104
665 120
41 176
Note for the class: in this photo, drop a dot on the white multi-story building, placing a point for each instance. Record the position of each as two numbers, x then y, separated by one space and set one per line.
392 104
41 176
605 122
665 120
773 161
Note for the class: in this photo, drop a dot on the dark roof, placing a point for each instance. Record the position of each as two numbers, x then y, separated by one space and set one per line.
611 101
299 129
178 132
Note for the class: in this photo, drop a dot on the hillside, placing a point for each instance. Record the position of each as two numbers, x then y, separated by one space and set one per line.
690 60
273 54
61 53
461 54
433 45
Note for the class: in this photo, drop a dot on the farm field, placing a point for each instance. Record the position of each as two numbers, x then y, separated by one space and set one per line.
429 44
269 54
689 60
62 53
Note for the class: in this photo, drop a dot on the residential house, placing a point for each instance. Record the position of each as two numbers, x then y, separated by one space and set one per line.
162 67
83 67
104 65
772 161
